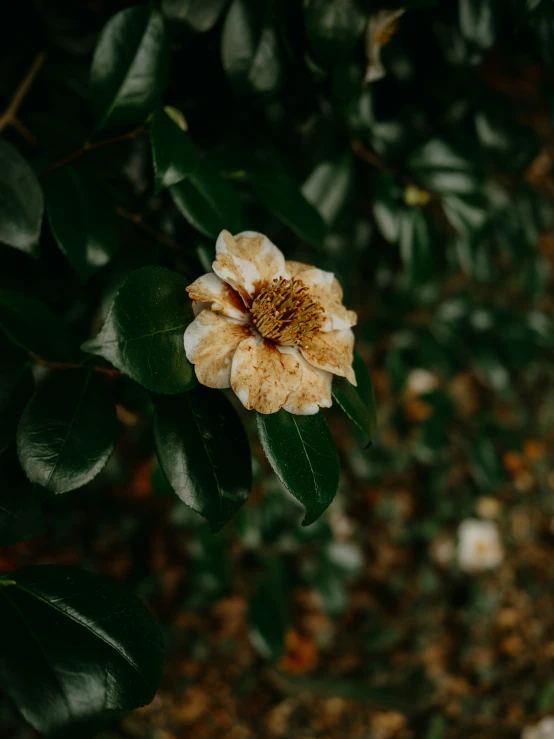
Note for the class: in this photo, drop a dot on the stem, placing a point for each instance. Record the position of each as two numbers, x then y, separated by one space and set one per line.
363 153
69 365
139 221
9 116
89 147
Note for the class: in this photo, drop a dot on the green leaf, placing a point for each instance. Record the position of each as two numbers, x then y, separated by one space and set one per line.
387 206
82 220
16 387
333 28
143 332
79 645
478 22
34 327
417 247
173 152
250 48
304 457
21 201
357 402
440 168
198 15
68 430
329 186
203 451
207 201
20 510
267 614
129 67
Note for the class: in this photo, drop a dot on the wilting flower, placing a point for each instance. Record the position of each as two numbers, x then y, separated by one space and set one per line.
543 730
275 331
479 545
380 30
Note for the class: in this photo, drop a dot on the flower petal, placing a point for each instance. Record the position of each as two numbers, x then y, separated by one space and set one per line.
326 289
314 391
295 268
211 291
262 376
332 351
235 253
210 343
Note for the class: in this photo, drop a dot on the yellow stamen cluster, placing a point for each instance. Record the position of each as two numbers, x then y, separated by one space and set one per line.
285 312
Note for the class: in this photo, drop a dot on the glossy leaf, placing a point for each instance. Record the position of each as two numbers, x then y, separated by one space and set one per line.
443 170
79 645
478 21
198 15
203 450
20 509
334 27
16 387
357 402
329 186
129 67
173 152
416 247
143 332
82 220
21 201
304 457
387 206
250 48
34 327
68 430
207 201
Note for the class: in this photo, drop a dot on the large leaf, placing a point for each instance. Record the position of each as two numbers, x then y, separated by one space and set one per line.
357 402
68 430
250 47
20 510
203 451
207 201
77 645
129 67
198 15
16 386
442 169
82 219
334 27
143 332
21 201
173 152
303 455
34 327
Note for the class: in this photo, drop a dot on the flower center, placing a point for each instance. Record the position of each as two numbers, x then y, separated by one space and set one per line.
285 312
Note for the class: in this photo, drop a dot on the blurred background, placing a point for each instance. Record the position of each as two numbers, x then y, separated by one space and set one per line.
421 604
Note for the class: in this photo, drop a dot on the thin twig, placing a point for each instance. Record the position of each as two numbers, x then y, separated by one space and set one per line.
361 151
89 147
139 221
69 365
9 116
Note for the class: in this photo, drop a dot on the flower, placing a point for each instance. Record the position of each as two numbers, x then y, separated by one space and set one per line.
380 30
273 330
479 545
543 730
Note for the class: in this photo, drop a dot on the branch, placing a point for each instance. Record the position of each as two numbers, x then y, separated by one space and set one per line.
361 151
9 116
68 365
89 147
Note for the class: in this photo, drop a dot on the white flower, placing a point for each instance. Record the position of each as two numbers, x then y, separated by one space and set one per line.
479 545
421 381
380 29
543 730
274 331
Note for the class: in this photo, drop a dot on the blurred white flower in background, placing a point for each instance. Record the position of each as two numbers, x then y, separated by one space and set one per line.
479 545
381 28
421 381
543 730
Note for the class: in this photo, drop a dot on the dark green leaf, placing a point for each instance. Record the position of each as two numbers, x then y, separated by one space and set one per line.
20 511
68 430
250 48
267 613
129 67
203 451
82 219
416 247
303 455
478 21
441 169
334 27
467 214
198 15
387 205
16 387
34 327
79 645
21 201
329 186
143 332
357 402
207 201
172 150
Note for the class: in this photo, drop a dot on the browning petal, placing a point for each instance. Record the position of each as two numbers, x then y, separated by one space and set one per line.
256 249
326 289
210 291
314 391
332 351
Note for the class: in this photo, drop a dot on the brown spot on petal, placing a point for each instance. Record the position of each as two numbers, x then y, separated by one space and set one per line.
218 295
262 376
332 351
313 393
